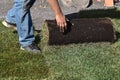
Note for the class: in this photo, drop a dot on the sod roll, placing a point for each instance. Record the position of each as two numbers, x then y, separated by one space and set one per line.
79 31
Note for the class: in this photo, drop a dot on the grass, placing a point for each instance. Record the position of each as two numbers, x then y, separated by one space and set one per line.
86 61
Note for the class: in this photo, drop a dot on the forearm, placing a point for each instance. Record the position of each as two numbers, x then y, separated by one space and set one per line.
55 7
60 18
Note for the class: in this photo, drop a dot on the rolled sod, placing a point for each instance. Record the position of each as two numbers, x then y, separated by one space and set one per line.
79 31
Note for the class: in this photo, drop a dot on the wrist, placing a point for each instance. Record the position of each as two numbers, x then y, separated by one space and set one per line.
59 14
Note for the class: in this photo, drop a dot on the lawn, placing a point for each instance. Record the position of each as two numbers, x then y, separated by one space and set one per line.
83 61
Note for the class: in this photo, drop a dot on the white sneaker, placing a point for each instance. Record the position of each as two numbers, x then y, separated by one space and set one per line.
9 25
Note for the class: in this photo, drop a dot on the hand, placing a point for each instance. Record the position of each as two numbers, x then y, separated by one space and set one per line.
61 22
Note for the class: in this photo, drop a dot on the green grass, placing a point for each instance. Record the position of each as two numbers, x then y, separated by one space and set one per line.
86 61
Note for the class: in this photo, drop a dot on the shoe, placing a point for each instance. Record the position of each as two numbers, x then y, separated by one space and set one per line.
31 48
9 25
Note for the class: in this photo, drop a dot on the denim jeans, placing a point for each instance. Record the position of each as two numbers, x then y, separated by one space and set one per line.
20 15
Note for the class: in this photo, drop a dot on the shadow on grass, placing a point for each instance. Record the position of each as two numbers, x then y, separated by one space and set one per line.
117 35
37 37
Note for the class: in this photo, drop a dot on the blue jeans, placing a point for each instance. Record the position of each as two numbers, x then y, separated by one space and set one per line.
20 15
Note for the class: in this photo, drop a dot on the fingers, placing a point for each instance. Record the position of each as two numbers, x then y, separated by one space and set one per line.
62 26
61 22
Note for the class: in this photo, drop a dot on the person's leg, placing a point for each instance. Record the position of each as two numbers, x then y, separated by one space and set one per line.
11 16
24 22
10 19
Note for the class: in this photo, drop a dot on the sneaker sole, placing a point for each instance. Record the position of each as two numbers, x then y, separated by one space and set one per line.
21 48
8 26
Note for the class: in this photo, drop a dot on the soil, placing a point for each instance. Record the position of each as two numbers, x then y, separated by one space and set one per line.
96 30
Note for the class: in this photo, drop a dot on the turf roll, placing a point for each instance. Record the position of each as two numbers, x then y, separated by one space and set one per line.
79 31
